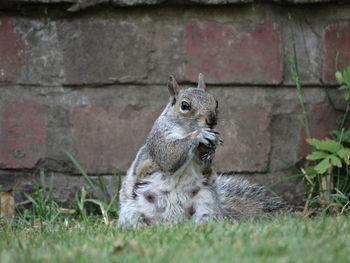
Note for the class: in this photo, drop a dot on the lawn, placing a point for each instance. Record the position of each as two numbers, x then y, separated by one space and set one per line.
285 238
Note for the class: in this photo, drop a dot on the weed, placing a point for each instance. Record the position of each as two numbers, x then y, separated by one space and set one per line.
107 203
44 206
327 176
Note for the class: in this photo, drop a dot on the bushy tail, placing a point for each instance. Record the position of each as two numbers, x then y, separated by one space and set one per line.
241 199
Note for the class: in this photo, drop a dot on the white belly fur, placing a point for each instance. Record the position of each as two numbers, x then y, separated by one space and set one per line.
174 200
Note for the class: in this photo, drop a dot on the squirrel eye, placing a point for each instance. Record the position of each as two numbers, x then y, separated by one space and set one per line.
185 106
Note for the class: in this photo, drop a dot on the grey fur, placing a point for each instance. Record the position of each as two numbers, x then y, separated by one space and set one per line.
181 184
241 199
176 199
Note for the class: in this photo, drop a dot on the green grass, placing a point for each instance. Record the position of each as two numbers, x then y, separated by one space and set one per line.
286 238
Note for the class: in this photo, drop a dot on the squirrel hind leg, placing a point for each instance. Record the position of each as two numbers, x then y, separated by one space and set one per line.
145 168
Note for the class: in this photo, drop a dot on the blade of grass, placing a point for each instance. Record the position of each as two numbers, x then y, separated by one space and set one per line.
82 171
296 78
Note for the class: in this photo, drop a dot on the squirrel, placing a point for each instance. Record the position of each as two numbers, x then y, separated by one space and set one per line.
171 178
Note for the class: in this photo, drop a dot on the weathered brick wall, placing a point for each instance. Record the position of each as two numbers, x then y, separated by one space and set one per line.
92 82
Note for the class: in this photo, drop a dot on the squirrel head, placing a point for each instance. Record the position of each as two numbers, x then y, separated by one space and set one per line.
193 103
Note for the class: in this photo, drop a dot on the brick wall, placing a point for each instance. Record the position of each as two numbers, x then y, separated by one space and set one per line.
92 81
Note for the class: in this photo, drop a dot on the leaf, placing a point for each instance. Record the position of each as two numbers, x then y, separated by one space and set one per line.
324 145
102 207
335 161
317 155
31 199
322 166
344 154
346 76
343 87
341 136
310 171
82 171
347 96
339 77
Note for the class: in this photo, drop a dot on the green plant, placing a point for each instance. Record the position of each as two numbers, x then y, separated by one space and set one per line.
341 136
327 173
44 206
97 194
329 156
343 79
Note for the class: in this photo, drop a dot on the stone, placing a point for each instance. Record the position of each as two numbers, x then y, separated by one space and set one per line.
167 56
306 37
246 135
337 50
59 140
273 100
302 1
44 56
157 2
23 134
322 120
107 49
12 52
31 54
286 184
225 55
65 187
82 4
284 141
337 99
107 139
221 2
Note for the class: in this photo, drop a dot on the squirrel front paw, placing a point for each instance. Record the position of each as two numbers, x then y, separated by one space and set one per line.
209 138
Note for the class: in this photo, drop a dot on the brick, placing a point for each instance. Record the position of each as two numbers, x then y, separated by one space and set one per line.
337 49
322 120
284 141
23 134
106 139
246 136
12 50
33 50
306 37
167 56
44 57
225 55
105 49
65 187
337 98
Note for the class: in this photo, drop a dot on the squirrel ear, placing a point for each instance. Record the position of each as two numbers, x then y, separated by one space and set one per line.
201 82
173 86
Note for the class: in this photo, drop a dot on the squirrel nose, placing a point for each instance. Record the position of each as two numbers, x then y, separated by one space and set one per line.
211 120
